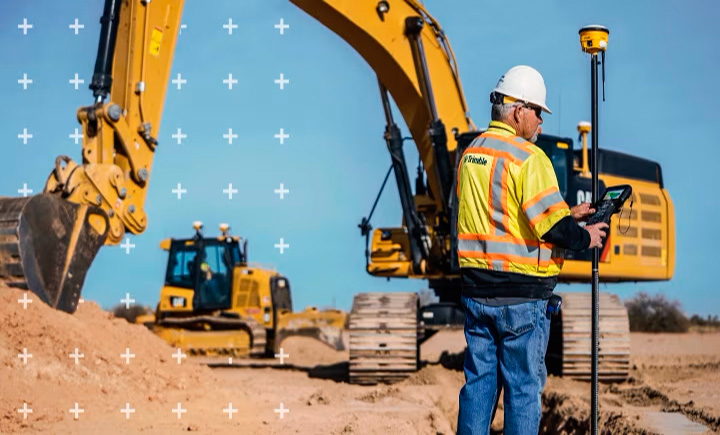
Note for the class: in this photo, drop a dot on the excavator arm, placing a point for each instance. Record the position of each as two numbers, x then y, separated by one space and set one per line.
412 57
48 241
414 62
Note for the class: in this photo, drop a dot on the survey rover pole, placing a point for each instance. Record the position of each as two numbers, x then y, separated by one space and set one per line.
593 40
596 251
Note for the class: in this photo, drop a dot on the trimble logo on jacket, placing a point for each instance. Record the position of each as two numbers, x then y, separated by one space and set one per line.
476 160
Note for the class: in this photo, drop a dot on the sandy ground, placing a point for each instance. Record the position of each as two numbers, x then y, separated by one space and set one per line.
674 381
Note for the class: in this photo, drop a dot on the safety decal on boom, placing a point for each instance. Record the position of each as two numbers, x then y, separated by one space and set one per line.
155 41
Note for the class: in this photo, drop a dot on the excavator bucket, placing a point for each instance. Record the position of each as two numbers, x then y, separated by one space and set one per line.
326 326
47 245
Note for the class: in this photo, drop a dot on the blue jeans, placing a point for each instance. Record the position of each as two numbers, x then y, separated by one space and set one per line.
505 350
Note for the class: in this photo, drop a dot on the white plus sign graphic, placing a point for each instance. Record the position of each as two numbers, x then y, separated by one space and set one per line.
282 81
77 411
282 191
127 301
76 136
230 360
282 245
230 410
230 191
25 81
25 26
77 26
127 410
282 136
230 81
24 355
230 136
282 355
24 301
282 26
230 26
77 355
25 191
179 191
179 355
179 136
179 410
179 81
182 27
282 411
25 136
126 245
127 355
25 411
76 81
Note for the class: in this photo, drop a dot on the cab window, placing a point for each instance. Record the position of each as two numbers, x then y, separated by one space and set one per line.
181 267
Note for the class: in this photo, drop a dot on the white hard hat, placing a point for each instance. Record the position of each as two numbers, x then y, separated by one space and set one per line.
525 84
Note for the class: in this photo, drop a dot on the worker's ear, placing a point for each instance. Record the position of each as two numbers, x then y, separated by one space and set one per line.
517 114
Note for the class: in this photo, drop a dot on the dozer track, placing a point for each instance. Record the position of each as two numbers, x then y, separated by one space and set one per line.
215 335
383 337
576 349
47 245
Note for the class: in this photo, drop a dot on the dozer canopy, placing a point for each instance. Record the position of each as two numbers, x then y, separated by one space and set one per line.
47 245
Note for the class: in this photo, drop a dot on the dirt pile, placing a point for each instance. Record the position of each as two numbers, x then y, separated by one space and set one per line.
101 381
308 352
674 379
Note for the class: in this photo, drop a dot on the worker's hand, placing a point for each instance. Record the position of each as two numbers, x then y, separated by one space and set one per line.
597 233
582 212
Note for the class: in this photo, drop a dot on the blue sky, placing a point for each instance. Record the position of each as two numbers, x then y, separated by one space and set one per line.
661 103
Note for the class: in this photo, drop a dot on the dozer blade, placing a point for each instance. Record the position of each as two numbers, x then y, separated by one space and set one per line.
325 326
213 336
47 245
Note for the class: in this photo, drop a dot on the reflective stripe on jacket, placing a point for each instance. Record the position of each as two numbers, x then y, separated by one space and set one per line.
508 198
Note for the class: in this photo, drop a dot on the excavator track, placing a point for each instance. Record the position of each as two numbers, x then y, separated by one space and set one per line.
576 349
383 337
215 335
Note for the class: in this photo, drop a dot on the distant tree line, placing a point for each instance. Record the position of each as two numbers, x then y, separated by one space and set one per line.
656 313
131 313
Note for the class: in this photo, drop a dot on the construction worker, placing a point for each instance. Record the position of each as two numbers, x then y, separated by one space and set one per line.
513 225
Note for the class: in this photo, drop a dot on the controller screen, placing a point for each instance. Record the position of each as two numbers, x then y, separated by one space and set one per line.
613 194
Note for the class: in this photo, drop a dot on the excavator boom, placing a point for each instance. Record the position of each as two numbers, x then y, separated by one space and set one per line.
48 241
415 62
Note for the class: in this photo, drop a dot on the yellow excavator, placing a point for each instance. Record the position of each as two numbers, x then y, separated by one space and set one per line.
48 241
217 304
412 57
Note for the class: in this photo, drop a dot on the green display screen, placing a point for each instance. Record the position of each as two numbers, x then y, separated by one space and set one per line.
613 194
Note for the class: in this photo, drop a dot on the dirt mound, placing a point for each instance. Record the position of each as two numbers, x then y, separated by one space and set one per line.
101 382
308 352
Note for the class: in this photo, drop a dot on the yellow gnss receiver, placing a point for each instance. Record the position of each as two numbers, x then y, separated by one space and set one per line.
594 38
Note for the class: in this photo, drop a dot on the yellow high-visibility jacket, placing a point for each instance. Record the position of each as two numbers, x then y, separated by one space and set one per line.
508 199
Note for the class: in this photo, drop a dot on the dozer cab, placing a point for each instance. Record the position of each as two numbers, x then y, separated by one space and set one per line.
215 304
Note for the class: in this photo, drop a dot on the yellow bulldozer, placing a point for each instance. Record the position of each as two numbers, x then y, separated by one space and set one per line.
216 304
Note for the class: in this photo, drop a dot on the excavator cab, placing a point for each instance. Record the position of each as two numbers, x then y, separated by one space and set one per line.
641 242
